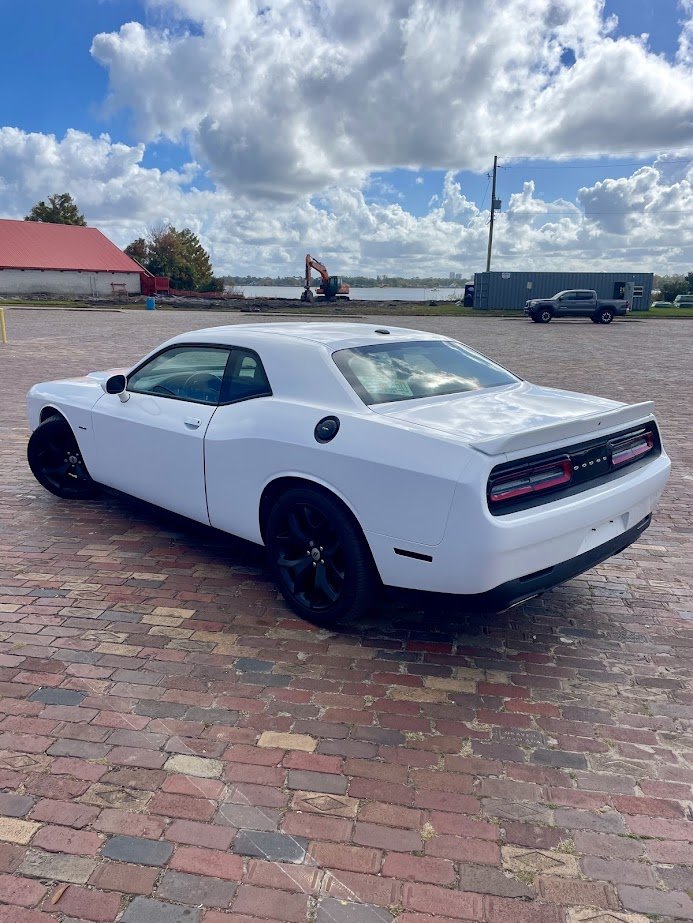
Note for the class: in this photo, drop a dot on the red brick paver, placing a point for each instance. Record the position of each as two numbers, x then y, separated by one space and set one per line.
529 767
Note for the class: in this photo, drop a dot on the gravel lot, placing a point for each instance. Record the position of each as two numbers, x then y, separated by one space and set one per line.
176 747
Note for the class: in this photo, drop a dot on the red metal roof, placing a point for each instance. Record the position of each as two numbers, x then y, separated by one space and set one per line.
34 245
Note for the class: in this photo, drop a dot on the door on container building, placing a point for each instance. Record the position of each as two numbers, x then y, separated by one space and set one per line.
637 299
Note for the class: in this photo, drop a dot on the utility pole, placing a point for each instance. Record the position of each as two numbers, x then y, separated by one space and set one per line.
495 205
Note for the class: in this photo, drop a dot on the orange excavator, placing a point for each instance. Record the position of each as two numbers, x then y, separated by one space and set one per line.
331 288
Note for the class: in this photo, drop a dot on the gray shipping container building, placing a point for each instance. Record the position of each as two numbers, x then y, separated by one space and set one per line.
510 290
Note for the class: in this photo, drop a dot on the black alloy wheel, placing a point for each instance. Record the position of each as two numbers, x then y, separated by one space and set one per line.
56 461
318 556
606 316
545 315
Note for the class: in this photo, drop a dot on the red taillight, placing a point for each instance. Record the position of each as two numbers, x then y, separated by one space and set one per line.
532 479
628 450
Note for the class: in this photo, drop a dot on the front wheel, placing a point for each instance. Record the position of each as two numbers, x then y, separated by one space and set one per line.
56 461
318 557
605 316
545 315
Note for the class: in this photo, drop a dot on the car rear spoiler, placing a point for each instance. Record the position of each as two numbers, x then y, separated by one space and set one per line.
545 436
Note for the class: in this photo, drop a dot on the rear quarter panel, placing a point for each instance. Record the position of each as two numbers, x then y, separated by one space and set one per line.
398 480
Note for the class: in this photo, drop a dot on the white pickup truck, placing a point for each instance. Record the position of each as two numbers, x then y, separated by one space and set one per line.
576 303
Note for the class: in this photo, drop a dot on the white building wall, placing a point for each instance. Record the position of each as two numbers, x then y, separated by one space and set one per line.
64 282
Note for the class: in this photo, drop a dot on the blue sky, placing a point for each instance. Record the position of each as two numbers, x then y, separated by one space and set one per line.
50 82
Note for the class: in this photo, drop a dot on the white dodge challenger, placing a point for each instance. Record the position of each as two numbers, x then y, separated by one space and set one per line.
360 455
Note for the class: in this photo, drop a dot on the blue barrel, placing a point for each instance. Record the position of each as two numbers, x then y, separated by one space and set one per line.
151 303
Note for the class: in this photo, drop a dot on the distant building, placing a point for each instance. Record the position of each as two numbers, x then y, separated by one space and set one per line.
62 260
510 290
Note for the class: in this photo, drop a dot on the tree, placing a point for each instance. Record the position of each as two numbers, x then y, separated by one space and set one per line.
138 250
61 209
671 286
176 254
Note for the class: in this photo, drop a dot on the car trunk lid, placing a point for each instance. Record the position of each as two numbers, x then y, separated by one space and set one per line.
505 420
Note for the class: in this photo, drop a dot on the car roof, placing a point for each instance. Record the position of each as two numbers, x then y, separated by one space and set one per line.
332 335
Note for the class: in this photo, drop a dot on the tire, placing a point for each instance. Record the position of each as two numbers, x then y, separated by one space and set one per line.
56 461
318 556
605 316
544 315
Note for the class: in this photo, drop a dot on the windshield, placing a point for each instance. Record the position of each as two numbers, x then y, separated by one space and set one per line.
405 371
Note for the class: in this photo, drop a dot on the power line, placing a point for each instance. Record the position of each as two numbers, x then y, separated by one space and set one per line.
483 199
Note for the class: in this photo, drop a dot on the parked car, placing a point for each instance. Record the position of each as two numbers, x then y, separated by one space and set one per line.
360 455
576 303
683 301
662 304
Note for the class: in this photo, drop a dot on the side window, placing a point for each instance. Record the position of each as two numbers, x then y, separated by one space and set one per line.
585 296
187 373
245 377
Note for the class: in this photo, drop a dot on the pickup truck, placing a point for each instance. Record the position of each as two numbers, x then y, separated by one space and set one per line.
576 303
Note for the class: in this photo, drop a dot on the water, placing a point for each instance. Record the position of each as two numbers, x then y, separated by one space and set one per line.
359 294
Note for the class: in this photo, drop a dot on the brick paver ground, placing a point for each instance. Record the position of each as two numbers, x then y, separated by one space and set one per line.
176 747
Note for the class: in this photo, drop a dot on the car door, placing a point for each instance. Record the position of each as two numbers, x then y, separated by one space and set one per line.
584 304
562 303
151 443
568 304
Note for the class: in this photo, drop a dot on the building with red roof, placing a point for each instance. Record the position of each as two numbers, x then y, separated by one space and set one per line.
63 259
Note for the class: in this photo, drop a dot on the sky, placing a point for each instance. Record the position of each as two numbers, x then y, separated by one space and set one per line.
362 133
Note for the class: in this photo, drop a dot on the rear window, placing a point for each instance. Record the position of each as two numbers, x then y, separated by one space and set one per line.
406 371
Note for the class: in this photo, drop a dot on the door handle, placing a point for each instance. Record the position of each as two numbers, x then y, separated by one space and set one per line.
192 422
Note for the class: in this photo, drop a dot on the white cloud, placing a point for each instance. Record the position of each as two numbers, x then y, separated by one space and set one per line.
296 110
283 99
685 51
353 233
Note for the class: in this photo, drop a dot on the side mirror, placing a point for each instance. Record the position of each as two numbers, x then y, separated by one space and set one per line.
116 384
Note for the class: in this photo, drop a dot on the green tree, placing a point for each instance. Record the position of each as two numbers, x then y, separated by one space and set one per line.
671 286
176 254
138 250
61 209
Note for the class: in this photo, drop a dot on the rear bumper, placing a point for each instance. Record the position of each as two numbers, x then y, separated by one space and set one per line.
517 591
513 557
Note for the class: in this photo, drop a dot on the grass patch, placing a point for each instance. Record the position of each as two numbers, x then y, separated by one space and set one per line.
353 308
686 313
